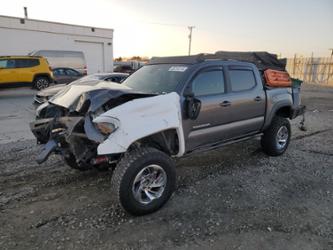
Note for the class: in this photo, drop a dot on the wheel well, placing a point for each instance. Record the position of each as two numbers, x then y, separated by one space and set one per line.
166 141
42 75
284 112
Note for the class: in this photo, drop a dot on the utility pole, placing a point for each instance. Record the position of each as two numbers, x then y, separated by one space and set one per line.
330 62
190 39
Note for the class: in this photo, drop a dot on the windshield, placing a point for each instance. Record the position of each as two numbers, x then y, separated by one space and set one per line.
88 79
152 79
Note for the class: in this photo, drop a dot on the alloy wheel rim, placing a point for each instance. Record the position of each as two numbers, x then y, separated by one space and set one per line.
282 137
42 83
149 184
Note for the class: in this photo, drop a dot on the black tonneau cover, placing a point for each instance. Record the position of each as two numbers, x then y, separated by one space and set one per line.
263 60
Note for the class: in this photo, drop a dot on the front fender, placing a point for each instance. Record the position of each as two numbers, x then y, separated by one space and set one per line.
140 118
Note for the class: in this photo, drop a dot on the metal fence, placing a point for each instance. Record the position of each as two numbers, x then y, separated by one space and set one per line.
318 70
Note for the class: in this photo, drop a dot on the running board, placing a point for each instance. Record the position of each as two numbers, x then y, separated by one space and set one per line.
221 144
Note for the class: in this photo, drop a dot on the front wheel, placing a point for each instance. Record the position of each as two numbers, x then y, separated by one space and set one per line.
276 137
143 181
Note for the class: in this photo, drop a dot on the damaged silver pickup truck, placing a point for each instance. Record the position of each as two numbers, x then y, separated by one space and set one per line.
169 108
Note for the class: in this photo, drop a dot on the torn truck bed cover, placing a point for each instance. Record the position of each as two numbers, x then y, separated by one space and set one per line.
263 60
66 97
140 118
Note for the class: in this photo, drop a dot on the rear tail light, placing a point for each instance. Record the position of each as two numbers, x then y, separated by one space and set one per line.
85 70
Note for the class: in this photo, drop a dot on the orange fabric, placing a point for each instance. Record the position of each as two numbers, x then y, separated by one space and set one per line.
275 78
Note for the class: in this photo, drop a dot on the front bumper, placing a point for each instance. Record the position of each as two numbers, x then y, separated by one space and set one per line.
68 136
40 99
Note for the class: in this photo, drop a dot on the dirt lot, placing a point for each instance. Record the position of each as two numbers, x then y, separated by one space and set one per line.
232 198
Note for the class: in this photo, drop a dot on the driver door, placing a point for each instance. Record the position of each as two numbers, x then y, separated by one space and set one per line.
208 86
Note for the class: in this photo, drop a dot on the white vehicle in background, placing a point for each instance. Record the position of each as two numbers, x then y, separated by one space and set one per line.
64 58
127 67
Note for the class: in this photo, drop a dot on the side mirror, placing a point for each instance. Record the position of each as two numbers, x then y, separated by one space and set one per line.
192 106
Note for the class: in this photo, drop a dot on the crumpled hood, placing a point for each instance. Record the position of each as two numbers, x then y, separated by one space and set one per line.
69 95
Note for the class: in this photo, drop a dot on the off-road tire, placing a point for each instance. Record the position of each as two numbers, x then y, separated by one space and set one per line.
269 142
41 82
126 171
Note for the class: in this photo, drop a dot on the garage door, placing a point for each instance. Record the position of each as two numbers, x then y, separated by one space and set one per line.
94 55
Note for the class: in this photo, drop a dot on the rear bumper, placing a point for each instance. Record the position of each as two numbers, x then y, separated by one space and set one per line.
300 110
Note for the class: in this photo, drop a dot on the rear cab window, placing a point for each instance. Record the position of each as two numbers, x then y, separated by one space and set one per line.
241 79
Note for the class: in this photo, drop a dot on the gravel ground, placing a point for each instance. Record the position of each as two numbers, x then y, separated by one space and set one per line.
232 198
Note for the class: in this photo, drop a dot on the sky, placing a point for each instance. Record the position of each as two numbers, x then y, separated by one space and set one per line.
159 28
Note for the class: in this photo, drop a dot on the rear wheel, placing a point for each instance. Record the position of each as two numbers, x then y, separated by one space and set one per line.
143 181
276 138
41 82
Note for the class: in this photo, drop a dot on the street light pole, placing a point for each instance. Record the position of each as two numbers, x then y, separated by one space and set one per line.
190 39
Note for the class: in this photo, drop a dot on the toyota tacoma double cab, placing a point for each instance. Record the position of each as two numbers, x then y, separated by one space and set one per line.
169 108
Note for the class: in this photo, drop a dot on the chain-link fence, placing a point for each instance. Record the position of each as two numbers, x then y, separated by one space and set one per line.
317 70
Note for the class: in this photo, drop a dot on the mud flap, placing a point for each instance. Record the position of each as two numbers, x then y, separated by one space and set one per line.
46 150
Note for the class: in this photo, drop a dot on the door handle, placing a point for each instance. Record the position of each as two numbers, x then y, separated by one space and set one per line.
225 104
258 99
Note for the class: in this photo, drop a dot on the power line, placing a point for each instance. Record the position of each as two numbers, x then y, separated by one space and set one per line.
167 24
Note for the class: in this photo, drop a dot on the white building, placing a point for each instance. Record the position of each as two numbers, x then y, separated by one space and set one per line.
20 36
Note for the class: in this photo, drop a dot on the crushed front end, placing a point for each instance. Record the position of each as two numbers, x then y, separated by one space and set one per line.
70 132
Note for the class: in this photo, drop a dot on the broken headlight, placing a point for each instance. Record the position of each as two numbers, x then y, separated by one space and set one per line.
106 125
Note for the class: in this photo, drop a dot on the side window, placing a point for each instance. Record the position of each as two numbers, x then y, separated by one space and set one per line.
108 79
208 83
59 72
33 62
7 63
241 79
71 72
3 64
26 63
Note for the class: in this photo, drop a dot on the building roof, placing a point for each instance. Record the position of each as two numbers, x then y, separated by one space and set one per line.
10 22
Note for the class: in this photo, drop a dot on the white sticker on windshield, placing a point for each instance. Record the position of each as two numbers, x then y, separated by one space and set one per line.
178 68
